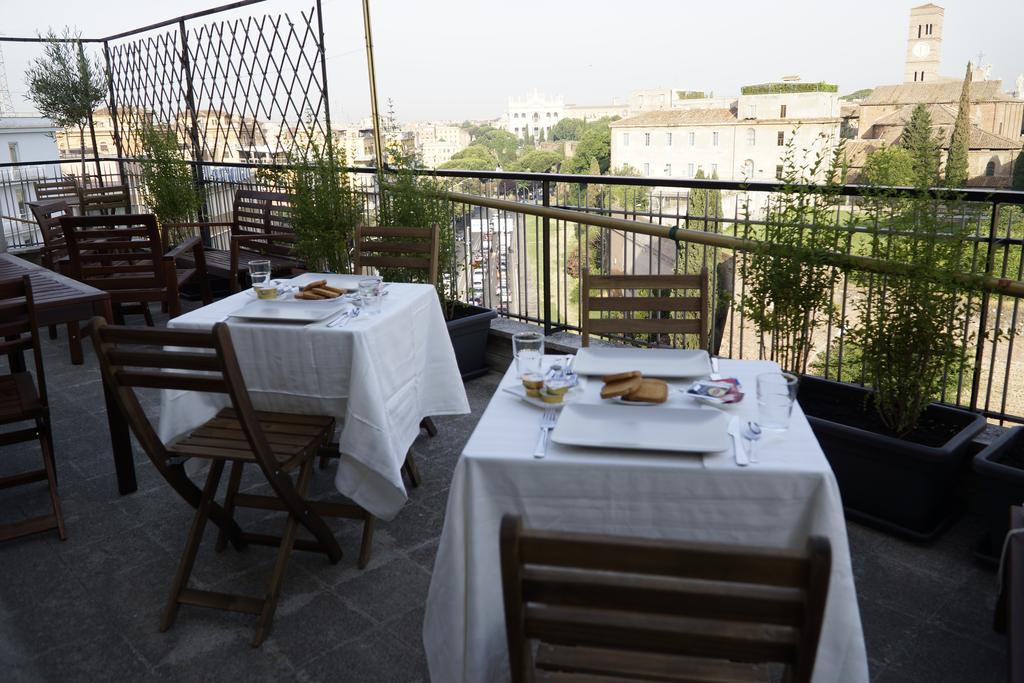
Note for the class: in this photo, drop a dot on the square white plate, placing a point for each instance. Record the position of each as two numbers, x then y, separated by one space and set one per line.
296 312
678 430
603 360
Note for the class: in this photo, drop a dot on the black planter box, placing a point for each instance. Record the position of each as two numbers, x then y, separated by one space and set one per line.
999 486
468 329
896 485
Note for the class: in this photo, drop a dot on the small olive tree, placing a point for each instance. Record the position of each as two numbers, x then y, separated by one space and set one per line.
65 85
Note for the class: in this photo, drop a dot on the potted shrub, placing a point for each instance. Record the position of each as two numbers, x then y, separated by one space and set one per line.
324 207
897 455
999 474
408 198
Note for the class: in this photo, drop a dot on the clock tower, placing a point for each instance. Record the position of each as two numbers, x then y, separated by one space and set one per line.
923 42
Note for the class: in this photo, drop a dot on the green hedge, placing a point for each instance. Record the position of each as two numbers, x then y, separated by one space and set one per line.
780 88
690 94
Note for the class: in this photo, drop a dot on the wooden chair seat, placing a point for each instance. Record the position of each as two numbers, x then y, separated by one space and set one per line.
293 438
18 398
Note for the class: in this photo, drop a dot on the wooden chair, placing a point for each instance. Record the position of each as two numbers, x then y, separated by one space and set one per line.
105 201
60 189
280 445
55 250
260 228
20 402
1009 617
123 255
606 608
664 311
414 249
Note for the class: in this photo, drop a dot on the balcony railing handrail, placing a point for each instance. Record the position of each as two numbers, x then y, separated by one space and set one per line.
969 194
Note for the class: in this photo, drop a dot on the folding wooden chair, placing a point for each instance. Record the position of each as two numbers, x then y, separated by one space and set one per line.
656 305
107 200
123 255
279 444
20 402
55 249
415 249
63 189
605 608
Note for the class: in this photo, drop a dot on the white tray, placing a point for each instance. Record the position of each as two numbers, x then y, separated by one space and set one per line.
671 429
651 362
296 312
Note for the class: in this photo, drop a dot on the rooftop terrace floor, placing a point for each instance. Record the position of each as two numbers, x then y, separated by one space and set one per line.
89 608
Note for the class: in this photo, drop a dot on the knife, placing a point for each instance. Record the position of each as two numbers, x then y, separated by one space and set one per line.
737 444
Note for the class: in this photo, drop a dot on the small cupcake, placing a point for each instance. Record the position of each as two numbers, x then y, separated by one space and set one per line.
548 397
557 387
533 381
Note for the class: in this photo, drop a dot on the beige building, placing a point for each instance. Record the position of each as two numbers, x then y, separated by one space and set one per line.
594 112
69 144
745 141
532 115
356 140
436 143
924 41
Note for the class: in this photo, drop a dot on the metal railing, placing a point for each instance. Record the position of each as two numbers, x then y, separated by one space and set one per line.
523 238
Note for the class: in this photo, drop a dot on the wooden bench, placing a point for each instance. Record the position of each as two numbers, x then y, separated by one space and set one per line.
261 228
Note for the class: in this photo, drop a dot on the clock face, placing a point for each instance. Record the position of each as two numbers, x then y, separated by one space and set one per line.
921 50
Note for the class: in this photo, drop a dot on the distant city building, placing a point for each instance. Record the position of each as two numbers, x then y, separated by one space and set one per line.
437 143
661 99
527 117
924 41
356 139
70 143
743 141
23 139
594 112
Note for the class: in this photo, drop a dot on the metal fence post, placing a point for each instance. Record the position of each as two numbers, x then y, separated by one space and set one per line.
979 352
546 256
197 149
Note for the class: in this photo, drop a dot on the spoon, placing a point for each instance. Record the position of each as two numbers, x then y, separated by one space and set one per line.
752 432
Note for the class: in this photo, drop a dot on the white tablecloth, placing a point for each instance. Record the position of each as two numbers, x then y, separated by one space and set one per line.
379 375
789 495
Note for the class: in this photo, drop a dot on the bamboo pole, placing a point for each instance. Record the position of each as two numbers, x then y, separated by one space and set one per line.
872 265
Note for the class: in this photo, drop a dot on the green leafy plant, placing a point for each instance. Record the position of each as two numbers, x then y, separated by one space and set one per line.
788 281
956 162
65 85
782 88
168 187
325 210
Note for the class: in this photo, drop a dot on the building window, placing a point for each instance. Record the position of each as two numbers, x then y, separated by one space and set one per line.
689 169
990 169
668 170
625 139
647 139
714 139
780 139
751 111
748 168
647 169
668 137
919 26
12 152
778 172
693 139
782 111
751 137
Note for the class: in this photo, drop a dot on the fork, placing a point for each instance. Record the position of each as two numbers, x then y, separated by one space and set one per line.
547 423
343 318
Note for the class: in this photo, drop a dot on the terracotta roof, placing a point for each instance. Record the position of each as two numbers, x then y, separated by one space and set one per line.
943 118
938 92
676 117
857 151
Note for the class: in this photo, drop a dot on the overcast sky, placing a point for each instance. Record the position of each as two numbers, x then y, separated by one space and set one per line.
458 59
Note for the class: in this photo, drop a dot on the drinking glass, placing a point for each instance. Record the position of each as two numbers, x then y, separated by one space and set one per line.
528 350
259 273
370 295
776 392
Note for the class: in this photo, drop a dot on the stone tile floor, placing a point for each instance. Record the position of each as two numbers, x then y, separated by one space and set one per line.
88 608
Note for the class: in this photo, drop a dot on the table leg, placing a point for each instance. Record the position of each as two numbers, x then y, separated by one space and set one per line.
120 437
75 343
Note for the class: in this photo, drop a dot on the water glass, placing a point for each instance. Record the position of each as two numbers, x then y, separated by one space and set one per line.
776 392
528 350
259 273
370 295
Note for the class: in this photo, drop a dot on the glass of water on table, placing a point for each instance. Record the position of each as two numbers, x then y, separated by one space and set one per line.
259 274
776 393
528 350
370 294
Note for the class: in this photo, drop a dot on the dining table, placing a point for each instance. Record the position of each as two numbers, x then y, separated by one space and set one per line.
785 495
379 375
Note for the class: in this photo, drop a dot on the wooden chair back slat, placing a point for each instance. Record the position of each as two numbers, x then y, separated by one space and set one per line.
60 189
105 200
658 305
48 215
399 247
179 381
721 604
20 325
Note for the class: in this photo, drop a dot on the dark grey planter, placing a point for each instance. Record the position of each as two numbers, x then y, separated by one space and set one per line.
905 488
468 329
999 486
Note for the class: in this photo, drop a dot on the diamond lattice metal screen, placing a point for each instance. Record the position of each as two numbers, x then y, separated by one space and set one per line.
241 90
